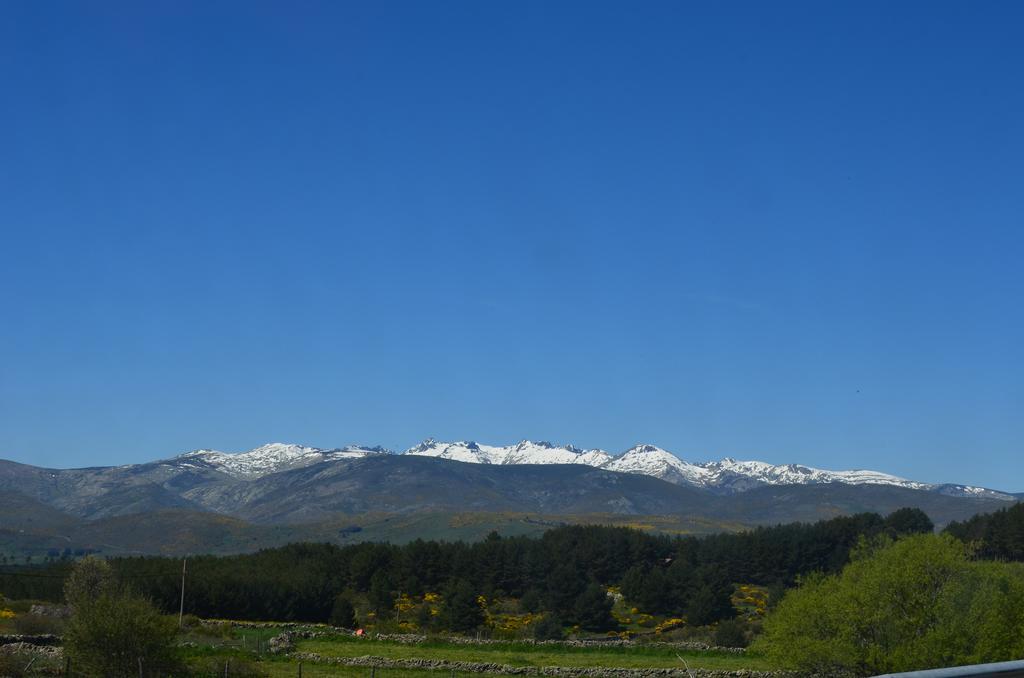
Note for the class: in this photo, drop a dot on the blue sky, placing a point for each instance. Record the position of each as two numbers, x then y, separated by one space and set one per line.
785 231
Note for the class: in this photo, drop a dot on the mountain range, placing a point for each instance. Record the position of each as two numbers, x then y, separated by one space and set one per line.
727 476
208 500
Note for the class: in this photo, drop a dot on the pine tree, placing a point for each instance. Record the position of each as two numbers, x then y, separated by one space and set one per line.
460 611
593 609
343 614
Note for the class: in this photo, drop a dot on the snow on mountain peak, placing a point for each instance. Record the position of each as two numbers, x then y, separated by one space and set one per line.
523 452
463 450
796 474
727 475
651 460
543 452
271 458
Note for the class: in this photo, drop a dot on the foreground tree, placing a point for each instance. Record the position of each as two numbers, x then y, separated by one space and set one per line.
112 632
91 578
914 604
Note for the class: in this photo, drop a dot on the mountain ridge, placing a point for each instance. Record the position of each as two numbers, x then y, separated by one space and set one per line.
725 476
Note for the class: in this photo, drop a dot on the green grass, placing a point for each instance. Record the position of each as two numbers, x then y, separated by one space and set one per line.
521 654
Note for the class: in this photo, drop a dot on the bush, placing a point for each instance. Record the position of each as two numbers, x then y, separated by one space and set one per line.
13 665
549 628
110 635
730 633
112 632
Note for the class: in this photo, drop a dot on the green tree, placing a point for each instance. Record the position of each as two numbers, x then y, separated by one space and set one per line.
914 604
593 609
381 597
112 632
90 579
459 610
343 614
564 586
531 601
709 604
909 521
424 618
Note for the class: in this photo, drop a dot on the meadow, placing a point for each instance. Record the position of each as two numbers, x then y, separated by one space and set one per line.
238 649
531 655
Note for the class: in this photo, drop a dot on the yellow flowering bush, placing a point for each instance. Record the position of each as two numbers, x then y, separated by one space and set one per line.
404 603
669 624
750 601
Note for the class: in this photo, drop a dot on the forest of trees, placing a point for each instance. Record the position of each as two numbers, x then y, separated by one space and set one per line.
997 536
563 573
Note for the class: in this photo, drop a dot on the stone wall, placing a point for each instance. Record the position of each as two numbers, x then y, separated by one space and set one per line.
557 671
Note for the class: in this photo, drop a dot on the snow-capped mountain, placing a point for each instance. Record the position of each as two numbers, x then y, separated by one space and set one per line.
726 476
653 461
795 474
466 451
270 458
523 452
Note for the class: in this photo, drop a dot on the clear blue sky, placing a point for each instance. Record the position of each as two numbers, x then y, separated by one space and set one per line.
785 231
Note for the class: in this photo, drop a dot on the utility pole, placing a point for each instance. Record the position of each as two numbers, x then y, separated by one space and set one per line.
181 610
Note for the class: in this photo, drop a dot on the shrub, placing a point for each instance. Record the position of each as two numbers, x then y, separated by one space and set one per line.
730 633
112 632
13 665
549 628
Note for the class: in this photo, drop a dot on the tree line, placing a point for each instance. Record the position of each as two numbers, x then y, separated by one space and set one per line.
563 573
996 536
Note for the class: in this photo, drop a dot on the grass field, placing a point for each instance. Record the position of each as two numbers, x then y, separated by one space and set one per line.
282 669
522 654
